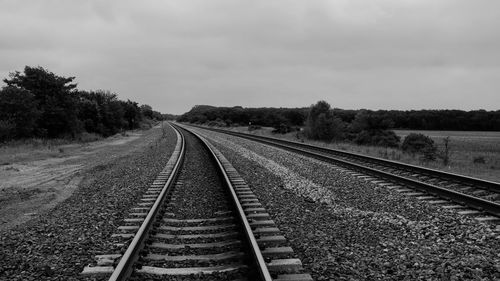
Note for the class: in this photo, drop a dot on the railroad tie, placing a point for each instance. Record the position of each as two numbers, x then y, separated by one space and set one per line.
276 252
104 264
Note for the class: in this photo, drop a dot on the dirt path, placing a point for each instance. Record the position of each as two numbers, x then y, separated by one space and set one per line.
35 180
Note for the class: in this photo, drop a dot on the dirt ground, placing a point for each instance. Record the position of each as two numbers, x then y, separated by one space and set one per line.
34 180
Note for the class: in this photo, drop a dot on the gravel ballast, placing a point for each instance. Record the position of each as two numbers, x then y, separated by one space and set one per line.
58 244
203 192
346 228
199 194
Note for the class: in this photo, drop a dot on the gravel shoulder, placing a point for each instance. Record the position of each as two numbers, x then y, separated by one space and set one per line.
57 243
35 180
345 228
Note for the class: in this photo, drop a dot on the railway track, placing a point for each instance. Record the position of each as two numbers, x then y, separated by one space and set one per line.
466 195
198 220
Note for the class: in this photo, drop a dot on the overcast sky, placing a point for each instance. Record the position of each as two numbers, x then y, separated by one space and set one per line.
375 54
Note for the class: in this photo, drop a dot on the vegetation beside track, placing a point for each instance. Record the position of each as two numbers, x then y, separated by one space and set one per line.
373 133
40 104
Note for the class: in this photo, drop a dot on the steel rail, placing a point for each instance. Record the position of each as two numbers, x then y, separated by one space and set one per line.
254 248
480 183
477 203
125 267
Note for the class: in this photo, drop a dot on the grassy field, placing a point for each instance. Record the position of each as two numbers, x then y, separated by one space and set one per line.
475 154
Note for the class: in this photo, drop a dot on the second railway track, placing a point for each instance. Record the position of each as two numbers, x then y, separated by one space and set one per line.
199 220
452 191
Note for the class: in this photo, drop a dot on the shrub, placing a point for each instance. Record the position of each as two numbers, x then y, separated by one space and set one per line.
421 144
88 137
369 129
282 129
385 138
217 123
146 124
479 160
254 127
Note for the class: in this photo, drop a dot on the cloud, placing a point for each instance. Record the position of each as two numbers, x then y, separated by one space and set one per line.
175 54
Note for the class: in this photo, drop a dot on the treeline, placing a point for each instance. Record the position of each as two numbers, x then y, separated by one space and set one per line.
38 103
237 115
476 120
366 128
451 120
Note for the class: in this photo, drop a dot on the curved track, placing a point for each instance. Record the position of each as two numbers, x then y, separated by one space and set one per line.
200 221
465 192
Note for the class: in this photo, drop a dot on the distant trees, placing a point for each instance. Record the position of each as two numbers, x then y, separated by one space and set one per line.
321 124
38 103
147 111
102 113
364 129
165 116
459 120
293 117
368 128
132 114
237 115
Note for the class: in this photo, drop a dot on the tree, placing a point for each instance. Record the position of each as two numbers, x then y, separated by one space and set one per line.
369 120
369 128
132 114
147 111
113 116
294 116
36 102
102 112
322 125
88 112
18 113
54 97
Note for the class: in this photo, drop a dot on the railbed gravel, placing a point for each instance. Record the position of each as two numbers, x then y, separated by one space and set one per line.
59 243
346 228
202 195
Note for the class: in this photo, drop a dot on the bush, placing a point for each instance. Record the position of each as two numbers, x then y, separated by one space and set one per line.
88 137
217 123
146 124
385 138
282 129
369 129
421 144
479 160
254 127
